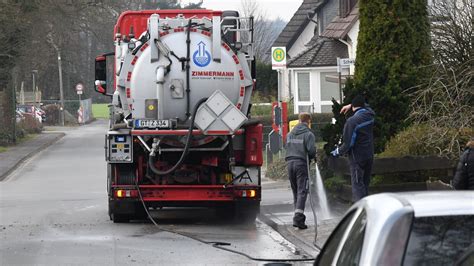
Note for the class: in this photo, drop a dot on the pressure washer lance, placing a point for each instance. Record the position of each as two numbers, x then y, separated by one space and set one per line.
311 186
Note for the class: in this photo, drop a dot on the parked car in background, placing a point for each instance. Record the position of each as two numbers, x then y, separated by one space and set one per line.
418 228
32 110
19 116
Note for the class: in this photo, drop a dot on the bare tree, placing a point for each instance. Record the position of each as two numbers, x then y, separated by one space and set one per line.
452 31
445 104
265 31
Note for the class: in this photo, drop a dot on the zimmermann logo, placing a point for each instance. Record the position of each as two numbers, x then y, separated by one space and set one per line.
201 57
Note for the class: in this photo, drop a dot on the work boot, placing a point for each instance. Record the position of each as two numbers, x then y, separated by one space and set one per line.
298 221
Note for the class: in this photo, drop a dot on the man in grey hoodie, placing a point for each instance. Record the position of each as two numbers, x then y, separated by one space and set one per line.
300 144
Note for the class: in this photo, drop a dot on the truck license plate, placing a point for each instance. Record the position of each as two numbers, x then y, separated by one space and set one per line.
139 123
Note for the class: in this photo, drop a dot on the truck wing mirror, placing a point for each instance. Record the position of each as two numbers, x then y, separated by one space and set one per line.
101 74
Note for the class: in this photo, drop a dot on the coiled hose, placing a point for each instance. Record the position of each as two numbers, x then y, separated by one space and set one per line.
151 159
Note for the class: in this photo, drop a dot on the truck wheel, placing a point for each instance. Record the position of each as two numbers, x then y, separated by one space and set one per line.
120 218
140 213
226 212
247 212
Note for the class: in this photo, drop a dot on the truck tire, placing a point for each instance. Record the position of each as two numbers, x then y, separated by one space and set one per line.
240 212
120 218
246 212
226 212
123 211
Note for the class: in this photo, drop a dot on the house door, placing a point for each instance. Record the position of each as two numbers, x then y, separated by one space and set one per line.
303 94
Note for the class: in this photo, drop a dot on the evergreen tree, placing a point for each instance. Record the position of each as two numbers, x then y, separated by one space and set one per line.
393 45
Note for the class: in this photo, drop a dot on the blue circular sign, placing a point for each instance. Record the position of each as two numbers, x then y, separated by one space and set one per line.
201 57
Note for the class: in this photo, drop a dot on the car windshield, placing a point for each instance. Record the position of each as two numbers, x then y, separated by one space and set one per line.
441 240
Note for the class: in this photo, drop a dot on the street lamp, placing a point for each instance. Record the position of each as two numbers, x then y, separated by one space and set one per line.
35 73
61 95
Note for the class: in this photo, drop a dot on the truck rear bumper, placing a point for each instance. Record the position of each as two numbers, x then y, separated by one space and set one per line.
189 193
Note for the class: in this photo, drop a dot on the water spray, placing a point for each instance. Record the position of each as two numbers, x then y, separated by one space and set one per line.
317 197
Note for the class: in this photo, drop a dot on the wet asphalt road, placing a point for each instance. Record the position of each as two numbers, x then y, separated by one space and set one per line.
53 211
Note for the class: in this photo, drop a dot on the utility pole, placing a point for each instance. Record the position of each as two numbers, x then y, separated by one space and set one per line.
13 99
61 94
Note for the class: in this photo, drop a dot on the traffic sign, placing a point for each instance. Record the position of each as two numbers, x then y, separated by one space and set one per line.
278 57
79 87
347 61
344 63
275 141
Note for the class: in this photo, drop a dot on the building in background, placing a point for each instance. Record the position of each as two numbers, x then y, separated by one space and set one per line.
313 46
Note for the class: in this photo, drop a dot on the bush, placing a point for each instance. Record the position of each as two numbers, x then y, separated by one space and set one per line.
335 182
30 125
277 169
393 44
53 115
424 140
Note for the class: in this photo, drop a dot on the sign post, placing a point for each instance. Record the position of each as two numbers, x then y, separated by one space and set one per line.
342 64
278 63
79 90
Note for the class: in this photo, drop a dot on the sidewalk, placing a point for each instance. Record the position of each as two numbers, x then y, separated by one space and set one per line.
277 211
15 155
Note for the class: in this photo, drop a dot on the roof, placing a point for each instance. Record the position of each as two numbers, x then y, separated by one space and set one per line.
297 23
339 27
322 52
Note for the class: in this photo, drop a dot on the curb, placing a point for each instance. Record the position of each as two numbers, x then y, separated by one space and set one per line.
40 148
308 248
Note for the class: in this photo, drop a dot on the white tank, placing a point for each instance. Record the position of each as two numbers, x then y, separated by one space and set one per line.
230 75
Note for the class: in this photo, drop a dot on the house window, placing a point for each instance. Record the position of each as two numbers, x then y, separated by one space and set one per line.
345 7
326 109
303 87
305 109
329 90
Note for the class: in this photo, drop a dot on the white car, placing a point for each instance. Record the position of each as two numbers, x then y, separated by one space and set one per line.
417 228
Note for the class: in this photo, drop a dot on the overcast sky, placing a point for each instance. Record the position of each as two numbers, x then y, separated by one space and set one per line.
273 8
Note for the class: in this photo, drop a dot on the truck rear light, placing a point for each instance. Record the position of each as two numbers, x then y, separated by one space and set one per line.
254 145
126 193
246 193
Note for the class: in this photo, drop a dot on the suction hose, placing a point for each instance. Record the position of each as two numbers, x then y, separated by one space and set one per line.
151 159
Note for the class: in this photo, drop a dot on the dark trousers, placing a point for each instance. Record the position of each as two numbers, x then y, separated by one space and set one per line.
360 178
298 175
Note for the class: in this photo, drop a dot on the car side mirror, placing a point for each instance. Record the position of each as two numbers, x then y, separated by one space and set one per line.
101 74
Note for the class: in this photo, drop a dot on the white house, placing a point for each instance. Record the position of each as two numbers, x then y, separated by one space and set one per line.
313 47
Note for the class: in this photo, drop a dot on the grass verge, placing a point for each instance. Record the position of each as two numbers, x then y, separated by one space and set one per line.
3 149
100 110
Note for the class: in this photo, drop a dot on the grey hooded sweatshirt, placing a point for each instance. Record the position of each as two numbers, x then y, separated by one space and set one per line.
300 143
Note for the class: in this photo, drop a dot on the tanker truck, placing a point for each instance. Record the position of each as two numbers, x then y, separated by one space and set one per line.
180 132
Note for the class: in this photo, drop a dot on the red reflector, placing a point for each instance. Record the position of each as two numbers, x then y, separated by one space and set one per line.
254 145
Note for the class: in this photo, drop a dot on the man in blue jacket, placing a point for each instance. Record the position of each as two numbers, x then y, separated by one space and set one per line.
300 144
358 144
